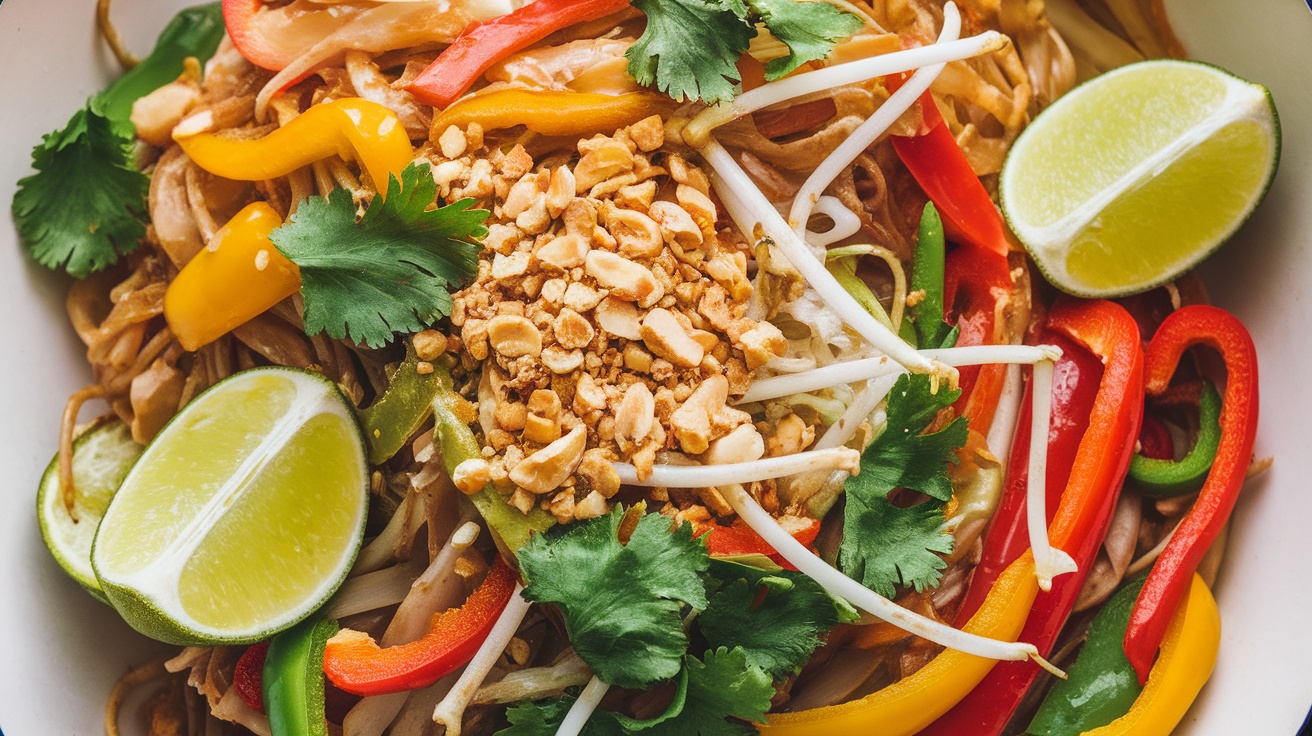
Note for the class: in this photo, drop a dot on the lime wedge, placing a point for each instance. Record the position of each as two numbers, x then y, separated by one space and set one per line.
102 455
1132 178
242 517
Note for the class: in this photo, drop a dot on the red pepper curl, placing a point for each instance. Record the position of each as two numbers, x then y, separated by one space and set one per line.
1172 574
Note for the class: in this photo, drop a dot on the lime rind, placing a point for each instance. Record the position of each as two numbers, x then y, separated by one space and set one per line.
149 597
1049 245
102 456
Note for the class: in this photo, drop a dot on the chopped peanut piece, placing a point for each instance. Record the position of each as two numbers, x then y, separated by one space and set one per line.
625 279
635 415
514 336
665 337
545 470
472 475
742 445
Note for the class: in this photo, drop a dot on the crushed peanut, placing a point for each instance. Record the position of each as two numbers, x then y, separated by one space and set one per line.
609 316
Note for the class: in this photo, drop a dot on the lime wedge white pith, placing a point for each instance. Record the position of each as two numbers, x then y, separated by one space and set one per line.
102 455
1134 177
242 517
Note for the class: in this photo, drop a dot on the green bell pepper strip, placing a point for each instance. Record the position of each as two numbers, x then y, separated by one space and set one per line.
400 412
293 680
927 278
1167 478
1101 685
457 443
194 32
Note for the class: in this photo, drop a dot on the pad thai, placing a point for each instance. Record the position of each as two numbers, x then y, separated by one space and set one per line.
703 386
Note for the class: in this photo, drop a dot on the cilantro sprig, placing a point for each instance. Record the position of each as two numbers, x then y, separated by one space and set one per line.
628 605
775 618
85 206
391 271
885 545
622 603
690 49
722 692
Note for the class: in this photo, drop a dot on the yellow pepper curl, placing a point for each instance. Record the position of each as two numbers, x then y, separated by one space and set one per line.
239 276
1187 657
905 707
352 128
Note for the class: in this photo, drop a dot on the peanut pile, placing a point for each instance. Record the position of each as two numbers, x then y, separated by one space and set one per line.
608 318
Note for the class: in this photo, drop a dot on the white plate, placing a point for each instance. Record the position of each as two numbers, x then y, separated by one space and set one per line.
60 651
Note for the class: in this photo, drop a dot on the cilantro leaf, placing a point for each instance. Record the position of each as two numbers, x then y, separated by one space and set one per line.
809 29
714 692
722 687
83 208
778 632
622 603
885 545
390 272
690 49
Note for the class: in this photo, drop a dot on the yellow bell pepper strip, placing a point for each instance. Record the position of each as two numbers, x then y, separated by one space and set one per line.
239 276
352 128
1168 580
553 113
912 703
1187 657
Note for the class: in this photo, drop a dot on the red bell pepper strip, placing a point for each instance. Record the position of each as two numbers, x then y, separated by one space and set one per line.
480 46
1155 439
272 38
1076 378
976 277
741 540
975 283
247 676
355 663
940 167
1085 510
1170 577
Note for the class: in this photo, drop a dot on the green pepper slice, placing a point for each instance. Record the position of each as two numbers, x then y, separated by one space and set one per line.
1101 685
293 680
400 412
457 444
1167 478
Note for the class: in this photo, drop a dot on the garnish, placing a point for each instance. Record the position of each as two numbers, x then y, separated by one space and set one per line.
389 272
775 618
84 207
622 600
720 689
691 48
885 545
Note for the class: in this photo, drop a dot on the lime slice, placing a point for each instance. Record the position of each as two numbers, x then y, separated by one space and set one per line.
102 455
1134 177
242 517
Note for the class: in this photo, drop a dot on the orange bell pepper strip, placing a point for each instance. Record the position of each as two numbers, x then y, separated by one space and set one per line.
907 706
239 276
356 663
1188 655
553 113
352 128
